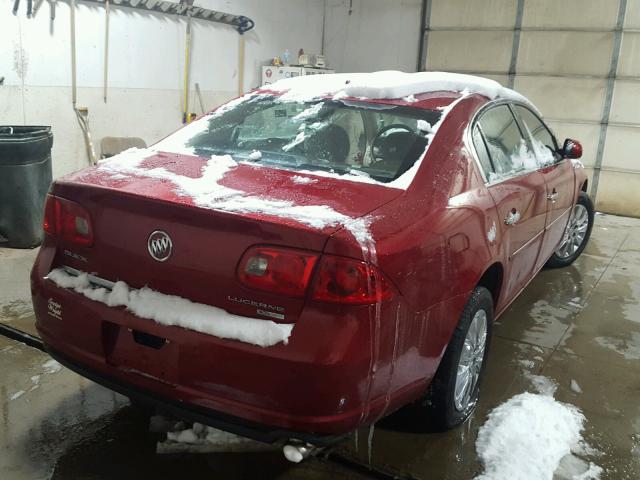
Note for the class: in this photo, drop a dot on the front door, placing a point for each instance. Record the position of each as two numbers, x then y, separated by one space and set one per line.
558 175
519 193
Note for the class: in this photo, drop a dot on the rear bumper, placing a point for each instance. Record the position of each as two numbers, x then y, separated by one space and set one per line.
193 413
317 386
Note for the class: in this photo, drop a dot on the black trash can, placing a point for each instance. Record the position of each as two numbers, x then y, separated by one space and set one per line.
25 177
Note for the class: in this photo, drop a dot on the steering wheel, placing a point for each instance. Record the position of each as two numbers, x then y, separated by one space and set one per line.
376 153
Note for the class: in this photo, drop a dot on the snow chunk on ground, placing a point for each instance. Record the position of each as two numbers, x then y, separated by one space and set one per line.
176 311
51 366
575 387
527 436
542 384
200 438
17 395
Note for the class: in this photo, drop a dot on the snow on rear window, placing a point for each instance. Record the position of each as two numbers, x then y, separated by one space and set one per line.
351 140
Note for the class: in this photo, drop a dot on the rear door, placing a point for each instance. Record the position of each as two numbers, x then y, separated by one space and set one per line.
559 177
518 191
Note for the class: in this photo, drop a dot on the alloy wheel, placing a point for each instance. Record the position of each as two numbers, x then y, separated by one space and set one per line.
471 359
575 232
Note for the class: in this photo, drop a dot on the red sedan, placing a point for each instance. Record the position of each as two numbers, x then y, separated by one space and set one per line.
310 257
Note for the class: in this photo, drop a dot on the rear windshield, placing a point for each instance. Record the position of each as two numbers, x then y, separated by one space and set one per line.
377 141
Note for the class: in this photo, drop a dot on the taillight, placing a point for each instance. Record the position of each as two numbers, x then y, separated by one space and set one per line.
288 271
343 280
284 271
68 221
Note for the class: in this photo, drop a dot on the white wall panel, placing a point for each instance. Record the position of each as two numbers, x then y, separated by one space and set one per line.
632 18
479 51
564 98
566 14
554 53
586 134
618 193
625 107
630 55
463 13
377 35
621 148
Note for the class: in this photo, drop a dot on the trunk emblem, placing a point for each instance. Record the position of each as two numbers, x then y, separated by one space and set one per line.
159 245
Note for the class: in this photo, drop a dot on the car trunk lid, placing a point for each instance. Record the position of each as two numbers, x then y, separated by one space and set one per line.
211 221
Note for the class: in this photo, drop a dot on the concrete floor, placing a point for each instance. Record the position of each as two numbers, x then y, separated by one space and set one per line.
581 323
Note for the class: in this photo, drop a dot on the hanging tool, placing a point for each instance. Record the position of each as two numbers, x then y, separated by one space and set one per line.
82 114
72 17
106 49
36 7
199 97
241 65
52 9
187 61
16 4
244 25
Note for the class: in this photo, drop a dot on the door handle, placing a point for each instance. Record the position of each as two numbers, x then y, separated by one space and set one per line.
512 217
553 196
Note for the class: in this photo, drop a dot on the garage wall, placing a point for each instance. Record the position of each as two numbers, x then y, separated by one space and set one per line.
146 59
563 57
558 53
370 35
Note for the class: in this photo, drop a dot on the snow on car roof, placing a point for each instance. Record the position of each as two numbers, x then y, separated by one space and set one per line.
388 85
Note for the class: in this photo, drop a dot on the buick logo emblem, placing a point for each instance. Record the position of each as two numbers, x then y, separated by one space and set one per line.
159 245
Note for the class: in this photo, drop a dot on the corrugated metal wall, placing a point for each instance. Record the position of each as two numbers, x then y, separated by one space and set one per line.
577 60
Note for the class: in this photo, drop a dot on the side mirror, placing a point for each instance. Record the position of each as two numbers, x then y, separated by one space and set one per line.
571 149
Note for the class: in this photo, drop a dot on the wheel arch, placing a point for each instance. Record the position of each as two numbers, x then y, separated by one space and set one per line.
492 280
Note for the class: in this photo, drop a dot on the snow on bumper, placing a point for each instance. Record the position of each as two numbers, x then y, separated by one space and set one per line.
176 311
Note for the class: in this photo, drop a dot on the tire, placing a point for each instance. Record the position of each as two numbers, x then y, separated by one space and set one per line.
569 251
444 411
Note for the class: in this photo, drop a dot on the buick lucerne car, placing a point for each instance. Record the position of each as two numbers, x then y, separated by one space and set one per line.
311 256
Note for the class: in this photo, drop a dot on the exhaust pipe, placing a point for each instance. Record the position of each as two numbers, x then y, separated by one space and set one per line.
296 451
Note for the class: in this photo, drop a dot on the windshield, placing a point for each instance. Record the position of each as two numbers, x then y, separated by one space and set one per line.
377 141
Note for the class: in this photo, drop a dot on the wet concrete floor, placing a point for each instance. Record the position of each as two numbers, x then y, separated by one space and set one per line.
579 324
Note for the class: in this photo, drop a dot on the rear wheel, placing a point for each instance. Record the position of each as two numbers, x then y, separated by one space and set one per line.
576 235
455 389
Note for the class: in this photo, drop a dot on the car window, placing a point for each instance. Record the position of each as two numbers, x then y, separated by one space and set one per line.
542 141
509 151
338 136
481 150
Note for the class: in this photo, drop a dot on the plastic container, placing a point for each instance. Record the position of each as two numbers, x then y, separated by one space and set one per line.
25 177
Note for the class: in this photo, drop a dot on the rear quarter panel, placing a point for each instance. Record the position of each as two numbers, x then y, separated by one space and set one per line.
433 243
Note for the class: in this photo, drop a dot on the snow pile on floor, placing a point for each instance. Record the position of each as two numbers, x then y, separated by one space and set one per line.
532 436
16 395
387 84
176 311
51 366
527 436
200 438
